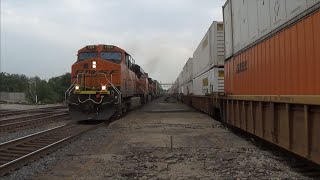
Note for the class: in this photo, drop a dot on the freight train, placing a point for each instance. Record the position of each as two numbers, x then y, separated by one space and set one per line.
105 81
268 82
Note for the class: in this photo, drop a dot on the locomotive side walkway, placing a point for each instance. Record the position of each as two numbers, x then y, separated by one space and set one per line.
163 140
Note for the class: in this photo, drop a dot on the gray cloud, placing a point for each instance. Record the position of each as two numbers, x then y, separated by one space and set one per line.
42 37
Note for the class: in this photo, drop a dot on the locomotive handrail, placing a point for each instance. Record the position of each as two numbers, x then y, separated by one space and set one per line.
114 87
105 76
89 99
69 90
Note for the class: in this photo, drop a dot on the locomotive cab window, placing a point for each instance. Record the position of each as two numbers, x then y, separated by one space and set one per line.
86 55
114 57
128 60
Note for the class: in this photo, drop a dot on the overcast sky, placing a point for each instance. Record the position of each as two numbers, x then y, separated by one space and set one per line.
41 37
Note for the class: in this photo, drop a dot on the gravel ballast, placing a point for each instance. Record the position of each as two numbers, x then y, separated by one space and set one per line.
168 145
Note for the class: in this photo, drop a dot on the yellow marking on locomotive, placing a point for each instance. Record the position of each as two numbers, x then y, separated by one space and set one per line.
92 92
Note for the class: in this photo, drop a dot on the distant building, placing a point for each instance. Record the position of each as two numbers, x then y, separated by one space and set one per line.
13 97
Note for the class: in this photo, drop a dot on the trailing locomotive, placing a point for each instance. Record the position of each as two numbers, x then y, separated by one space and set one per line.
105 80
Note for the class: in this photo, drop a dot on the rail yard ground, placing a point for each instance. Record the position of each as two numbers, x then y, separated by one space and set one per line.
10 107
165 139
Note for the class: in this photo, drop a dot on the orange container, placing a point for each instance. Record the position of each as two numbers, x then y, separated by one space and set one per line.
287 63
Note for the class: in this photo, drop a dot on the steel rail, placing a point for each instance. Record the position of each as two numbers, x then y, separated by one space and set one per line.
9 126
17 112
18 152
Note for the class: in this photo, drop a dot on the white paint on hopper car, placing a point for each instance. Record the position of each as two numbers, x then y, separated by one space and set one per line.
210 51
253 19
214 82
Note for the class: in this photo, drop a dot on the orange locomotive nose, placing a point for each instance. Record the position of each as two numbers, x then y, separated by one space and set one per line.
94 71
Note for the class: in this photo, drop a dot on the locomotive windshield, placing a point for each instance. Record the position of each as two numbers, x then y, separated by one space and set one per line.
111 56
87 55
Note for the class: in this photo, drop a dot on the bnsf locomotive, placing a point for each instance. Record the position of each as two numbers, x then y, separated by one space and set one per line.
105 80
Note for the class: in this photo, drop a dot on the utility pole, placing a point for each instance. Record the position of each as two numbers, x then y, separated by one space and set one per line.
33 89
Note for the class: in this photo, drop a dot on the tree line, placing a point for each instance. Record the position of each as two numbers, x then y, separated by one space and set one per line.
47 91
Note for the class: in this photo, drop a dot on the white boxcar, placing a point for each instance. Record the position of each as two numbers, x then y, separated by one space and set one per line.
211 81
247 21
210 51
188 71
187 88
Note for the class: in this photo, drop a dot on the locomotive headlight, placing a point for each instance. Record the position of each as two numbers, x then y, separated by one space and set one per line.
103 88
94 64
77 87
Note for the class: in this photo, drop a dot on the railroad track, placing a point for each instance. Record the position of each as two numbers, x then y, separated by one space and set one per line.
18 152
14 124
7 113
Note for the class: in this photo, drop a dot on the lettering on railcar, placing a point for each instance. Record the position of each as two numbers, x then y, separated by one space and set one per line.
92 72
242 66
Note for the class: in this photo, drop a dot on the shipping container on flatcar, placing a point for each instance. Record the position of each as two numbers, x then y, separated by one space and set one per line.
188 71
285 63
210 82
187 77
210 51
246 22
188 88
180 83
272 72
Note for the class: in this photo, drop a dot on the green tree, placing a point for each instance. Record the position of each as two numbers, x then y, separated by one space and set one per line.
13 82
59 85
51 91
